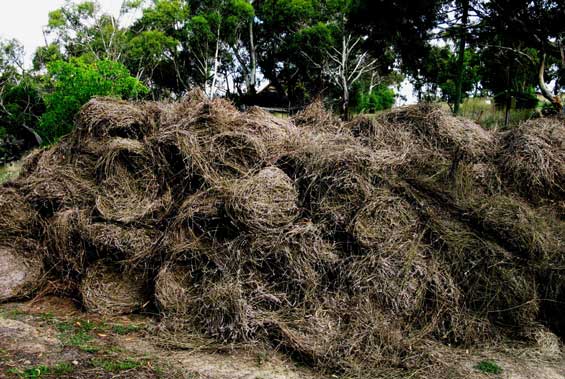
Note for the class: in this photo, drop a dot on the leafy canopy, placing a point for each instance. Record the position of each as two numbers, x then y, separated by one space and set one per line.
75 82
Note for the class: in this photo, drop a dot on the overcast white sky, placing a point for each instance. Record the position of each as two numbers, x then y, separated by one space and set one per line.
25 19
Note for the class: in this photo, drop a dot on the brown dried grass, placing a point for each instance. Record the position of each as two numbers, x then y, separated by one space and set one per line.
17 217
351 247
531 158
57 187
108 117
129 191
266 201
435 129
107 290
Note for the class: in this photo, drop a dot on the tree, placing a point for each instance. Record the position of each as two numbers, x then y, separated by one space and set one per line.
464 4
293 38
531 30
377 98
82 28
346 66
208 37
21 103
398 32
75 82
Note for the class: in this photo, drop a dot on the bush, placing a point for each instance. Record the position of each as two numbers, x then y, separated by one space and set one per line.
77 81
22 105
379 99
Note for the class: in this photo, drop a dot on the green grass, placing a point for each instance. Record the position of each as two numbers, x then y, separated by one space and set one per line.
125 329
478 110
42 370
78 333
489 367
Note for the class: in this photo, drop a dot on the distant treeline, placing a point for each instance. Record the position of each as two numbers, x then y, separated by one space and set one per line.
350 53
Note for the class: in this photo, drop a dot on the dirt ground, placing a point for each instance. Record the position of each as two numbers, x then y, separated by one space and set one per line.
52 338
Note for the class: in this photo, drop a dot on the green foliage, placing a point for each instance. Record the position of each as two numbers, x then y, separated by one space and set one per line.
42 370
525 99
22 105
380 98
125 329
438 74
75 82
490 116
489 367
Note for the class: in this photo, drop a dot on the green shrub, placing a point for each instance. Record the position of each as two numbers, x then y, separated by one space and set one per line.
489 367
75 82
379 99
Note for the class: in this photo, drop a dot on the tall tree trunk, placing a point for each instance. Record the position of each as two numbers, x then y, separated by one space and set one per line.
461 55
216 64
253 58
344 81
554 100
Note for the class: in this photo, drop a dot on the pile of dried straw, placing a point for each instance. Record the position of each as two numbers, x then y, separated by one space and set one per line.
351 246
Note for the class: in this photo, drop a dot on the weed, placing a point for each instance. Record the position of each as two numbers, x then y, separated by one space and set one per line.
78 334
125 329
42 370
489 367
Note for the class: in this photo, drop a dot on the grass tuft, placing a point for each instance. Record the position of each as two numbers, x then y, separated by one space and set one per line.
489 367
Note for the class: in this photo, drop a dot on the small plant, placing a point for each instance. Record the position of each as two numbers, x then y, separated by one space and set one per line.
125 329
42 370
489 367
78 334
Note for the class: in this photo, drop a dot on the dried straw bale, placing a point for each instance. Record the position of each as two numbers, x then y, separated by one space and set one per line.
57 187
66 244
202 213
279 136
108 117
436 129
296 259
107 290
386 220
210 117
531 158
129 191
223 312
337 176
517 226
493 286
266 201
30 162
317 118
236 153
17 217
120 243
333 340
173 290
180 160
180 111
